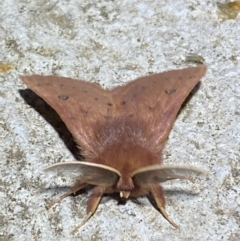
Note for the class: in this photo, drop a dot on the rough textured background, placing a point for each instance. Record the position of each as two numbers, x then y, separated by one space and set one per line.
113 42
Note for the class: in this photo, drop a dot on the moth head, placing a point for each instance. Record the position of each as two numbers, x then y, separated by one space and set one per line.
126 185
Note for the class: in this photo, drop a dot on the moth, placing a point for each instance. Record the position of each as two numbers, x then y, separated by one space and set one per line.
121 133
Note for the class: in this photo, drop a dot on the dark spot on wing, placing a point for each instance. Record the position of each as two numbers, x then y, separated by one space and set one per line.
109 104
95 98
63 97
84 112
123 103
150 108
170 91
61 85
85 91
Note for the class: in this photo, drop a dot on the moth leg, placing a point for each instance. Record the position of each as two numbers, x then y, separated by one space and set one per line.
92 205
158 195
74 189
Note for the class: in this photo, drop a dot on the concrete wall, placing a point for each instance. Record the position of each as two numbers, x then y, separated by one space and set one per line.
111 43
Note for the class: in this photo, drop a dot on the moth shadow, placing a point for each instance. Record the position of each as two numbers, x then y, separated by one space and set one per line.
65 189
189 97
50 115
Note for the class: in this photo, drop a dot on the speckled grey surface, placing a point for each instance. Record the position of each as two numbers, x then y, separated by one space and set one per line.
113 42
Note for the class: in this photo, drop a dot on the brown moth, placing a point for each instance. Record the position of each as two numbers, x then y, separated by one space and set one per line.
121 133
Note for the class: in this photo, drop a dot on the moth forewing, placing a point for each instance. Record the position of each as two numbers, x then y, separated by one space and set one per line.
85 172
162 173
